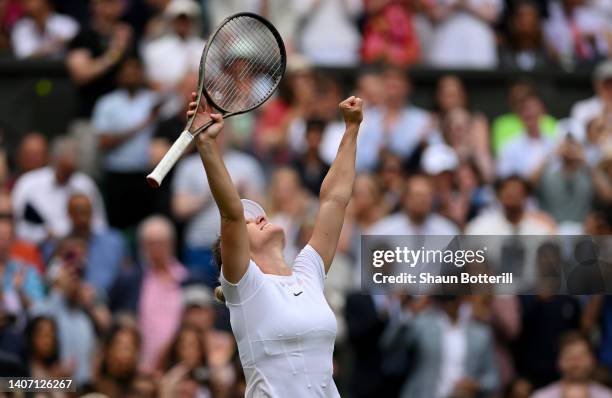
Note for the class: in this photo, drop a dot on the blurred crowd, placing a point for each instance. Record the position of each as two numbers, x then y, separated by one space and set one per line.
108 281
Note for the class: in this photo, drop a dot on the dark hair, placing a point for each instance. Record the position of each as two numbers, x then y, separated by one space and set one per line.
170 357
573 337
108 341
216 251
30 335
502 182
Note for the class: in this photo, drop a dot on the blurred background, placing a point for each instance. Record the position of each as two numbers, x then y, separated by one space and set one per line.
482 117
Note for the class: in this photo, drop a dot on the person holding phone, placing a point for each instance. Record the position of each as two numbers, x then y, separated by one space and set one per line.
284 327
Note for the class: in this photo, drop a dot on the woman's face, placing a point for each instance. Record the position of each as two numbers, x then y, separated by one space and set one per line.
264 234
123 354
44 339
450 94
186 349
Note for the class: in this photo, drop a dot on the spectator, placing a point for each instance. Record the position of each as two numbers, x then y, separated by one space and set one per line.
602 178
455 355
186 348
10 11
508 126
564 188
391 178
526 153
525 48
32 154
598 138
42 32
198 308
600 104
513 217
20 283
40 197
44 350
576 33
397 125
76 311
416 216
118 369
107 252
160 297
389 34
96 52
328 34
192 202
576 363
369 87
171 57
124 121
463 34
20 250
311 168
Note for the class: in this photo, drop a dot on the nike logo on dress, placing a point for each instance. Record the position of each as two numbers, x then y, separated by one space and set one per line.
297 294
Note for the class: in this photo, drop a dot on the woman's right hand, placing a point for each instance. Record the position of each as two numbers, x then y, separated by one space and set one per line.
202 117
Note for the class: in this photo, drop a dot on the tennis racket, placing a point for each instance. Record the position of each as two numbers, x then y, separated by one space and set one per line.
242 64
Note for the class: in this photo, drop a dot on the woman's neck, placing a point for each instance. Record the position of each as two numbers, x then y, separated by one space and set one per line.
272 263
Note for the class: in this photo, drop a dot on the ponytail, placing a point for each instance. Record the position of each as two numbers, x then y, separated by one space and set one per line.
219 294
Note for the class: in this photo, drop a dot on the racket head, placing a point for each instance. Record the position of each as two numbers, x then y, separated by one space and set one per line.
242 64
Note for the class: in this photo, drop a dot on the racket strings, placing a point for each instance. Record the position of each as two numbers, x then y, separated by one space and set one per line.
239 87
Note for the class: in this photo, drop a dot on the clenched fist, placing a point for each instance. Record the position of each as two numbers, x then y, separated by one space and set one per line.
352 110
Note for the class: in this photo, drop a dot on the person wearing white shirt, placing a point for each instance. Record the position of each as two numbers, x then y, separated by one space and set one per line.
40 197
416 217
463 35
525 154
396 126
42 32
329 34
586 110
171 57
124 121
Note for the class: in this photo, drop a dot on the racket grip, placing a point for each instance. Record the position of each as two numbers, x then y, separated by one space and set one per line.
169 160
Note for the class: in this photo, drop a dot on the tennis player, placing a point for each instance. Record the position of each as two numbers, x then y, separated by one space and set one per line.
283 325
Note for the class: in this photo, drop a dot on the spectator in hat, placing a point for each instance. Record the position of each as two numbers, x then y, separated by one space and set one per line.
42 32
169 58
198 307
40 197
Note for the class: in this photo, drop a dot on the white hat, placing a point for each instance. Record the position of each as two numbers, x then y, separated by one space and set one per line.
439 158
197 296
182 7
252 209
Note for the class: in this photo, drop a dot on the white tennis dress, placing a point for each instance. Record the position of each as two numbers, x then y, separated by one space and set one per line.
285 330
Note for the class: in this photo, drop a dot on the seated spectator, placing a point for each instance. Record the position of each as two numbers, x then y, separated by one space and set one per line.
513 217
107 252
600 104
75 309
186 349
602 178
21 251
42 32
527 152
455 354
468 135
508 126
416 216
397 126
32 154
328 33
198 308
524 47
118 368
391 177
40 197
192 202
44 350
463 35
311 168
597 140
564 187
389 34
576 34
169 58
124 121
369 88
96 52
21 285
159 301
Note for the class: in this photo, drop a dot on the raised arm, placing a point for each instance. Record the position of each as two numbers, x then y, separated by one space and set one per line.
234 238
337 187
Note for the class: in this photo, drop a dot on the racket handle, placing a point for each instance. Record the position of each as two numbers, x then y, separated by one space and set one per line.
169 160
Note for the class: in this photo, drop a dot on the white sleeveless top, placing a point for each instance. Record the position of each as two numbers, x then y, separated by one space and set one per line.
285 330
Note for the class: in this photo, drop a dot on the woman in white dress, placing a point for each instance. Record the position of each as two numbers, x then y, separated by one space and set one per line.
284 327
